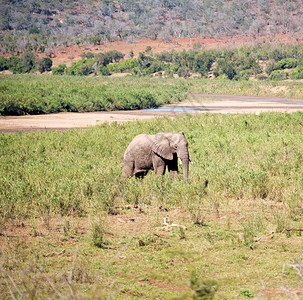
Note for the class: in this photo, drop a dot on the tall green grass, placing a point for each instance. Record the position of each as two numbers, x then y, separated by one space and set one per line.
34 94
78 171
289 89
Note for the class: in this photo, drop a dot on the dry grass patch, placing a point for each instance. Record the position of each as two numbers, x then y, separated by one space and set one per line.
140 257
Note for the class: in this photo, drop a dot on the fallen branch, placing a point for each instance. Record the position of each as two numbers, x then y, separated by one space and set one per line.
54 253
167 225
53 287
293 229
71 274
126 221
258 239
9 288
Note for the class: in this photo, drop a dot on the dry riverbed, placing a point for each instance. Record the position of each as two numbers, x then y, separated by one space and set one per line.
197 103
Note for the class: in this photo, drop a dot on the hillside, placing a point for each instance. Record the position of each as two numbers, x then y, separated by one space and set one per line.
69 54
43 25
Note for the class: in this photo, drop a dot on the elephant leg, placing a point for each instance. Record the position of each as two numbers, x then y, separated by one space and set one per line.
140 175
159 165
128 169
173 166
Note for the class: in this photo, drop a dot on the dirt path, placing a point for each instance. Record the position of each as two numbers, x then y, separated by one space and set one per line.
200 103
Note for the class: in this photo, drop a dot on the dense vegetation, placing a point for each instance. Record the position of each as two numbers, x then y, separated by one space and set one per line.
242 157
34 94
242 208
262 62
42 24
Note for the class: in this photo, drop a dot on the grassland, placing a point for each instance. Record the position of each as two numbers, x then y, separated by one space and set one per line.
71 228
33 94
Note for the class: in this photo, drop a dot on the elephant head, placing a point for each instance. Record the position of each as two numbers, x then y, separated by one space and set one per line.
172 146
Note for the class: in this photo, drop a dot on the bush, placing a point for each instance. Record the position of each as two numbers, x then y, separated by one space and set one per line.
287 63
85 55
13 61
203 288
26 64
242 75
45 65
127 65
261 77
81 68
271 66
60 70
42 49
278 75
3 63
225 68
298 73
97 233
103 70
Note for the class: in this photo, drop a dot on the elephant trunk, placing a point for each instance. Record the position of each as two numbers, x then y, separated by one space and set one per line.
185 163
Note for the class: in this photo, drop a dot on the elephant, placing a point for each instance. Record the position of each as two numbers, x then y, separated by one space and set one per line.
154 152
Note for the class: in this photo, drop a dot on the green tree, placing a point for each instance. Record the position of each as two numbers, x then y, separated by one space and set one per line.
26 64
3 63
278 75
286 63
45 65
298 73
60 70
13 61
225 67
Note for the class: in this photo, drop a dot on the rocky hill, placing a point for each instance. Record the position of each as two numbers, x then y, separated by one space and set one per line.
43 24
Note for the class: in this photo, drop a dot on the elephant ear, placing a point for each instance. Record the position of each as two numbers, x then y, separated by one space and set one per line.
162 147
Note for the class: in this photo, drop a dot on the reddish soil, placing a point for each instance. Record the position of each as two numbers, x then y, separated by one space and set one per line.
70 54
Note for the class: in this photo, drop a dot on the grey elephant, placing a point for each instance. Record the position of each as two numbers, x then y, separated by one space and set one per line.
155 152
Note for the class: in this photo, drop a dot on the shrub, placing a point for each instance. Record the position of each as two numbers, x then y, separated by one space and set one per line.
42 49
45 65
225 67
242 75
85 55
246 293
277 54
103 70
81 68
298 73
97 233
287 63
96 40
184 72
203 288
271 66
25 64
60 70
261 77
13 61
3 63
127 65
278 75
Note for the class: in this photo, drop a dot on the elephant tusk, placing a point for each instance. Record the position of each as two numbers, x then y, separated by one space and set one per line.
180 161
